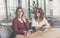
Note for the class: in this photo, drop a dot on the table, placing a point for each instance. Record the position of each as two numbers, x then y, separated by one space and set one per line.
53 33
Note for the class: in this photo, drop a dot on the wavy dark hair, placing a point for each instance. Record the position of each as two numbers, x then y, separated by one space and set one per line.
17 11
39 11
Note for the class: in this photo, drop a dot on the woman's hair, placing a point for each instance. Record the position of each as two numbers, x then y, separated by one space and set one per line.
41 13
18 9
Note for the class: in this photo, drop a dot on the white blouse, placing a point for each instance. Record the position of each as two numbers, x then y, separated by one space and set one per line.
39 24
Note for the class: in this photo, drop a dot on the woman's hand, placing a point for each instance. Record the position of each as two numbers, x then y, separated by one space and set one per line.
37 28
29 33
24 19
25 33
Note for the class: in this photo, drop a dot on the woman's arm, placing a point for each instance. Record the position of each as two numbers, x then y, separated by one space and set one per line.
15 27
47 24
33 22
26 24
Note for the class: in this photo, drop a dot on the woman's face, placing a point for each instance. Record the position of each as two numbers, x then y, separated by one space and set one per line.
37 13
20 13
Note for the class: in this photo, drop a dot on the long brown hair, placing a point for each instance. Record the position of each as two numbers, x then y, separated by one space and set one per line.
18 9
39 11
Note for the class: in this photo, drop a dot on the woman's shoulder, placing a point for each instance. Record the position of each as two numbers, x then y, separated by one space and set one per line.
15 19
44 19
33 18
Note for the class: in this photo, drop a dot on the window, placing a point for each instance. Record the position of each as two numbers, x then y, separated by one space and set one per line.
50 0
51 12
11 8
2 10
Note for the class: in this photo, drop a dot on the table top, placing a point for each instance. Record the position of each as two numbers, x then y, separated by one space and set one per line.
53 33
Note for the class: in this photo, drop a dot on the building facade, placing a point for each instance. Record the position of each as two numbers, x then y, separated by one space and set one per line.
8 8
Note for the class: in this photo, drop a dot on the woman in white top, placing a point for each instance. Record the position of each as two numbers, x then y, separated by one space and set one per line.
39 22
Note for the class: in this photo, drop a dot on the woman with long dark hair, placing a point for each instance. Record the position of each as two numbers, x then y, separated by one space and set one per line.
39 22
